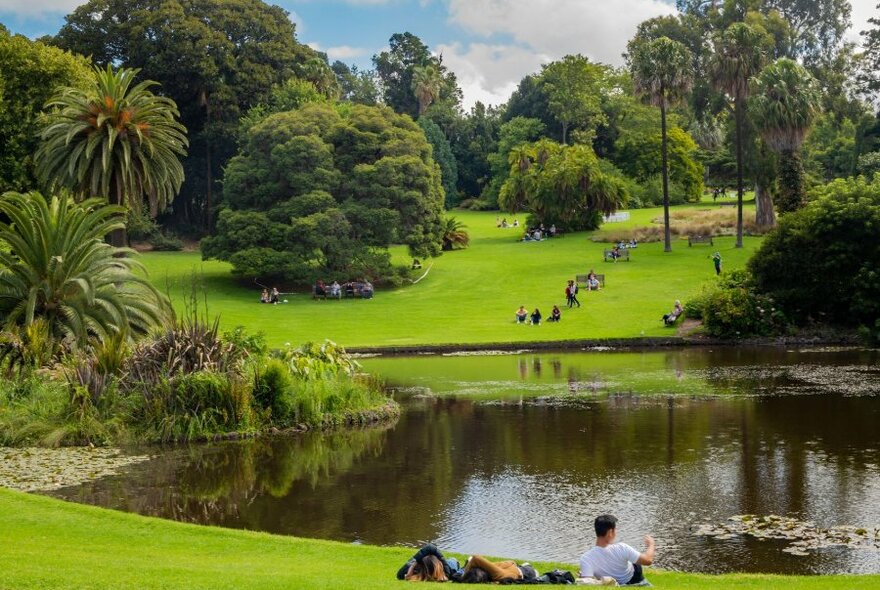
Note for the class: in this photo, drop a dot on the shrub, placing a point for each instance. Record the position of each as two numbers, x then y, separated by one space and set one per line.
166 242
332 399
733 309
822 263
273 389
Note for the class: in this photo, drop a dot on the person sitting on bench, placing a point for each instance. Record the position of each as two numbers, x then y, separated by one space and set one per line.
677 309
367 290
521 314
593 281
615 253
335 290
320 289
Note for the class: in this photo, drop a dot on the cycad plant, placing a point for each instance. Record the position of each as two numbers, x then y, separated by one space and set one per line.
454 234
114 140
785 105
55 267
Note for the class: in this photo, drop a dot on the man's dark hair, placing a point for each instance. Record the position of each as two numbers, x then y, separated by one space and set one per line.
605 523
476 575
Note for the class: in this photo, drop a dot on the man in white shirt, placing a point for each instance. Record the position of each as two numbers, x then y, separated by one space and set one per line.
617 560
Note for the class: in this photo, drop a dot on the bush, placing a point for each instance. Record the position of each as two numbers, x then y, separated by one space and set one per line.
331 400
273 389
733 309
166 242
822 263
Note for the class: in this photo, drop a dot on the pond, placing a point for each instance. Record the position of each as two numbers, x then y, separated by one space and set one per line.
516 454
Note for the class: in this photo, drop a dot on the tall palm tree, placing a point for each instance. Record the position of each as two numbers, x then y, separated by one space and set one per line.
115 140
661 71
785 105
57 269
426 83
739 56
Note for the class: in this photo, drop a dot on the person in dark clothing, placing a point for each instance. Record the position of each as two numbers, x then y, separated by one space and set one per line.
536 317
428 564
555 315
573 287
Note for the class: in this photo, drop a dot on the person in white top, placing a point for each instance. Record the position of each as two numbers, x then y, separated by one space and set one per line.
617 560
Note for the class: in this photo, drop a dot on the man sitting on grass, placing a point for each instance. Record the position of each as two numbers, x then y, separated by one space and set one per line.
522 314
617 560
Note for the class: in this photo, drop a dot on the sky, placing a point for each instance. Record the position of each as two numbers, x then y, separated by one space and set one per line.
489 44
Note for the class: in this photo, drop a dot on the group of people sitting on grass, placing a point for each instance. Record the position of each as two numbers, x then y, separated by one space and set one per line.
364 289
608 563
270 296
522 316
536 234
502 223
622 245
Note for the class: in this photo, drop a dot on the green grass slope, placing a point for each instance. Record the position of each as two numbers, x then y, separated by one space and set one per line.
49 544
469 296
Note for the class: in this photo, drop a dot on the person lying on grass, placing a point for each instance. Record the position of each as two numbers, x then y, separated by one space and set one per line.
429 565
478 569
617 560
521 314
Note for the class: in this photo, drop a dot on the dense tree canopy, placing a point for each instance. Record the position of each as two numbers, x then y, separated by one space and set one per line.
573 86
214 58
321 191
442 153
30 73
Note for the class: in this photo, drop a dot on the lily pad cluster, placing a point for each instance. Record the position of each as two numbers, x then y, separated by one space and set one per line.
37 469
803 536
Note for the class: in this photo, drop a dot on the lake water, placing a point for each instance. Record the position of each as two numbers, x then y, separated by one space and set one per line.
516 454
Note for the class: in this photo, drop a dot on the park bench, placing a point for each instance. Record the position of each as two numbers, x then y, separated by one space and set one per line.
582 281
326 294
700 240
622 254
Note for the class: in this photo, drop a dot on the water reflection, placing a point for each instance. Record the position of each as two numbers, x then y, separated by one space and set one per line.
525 478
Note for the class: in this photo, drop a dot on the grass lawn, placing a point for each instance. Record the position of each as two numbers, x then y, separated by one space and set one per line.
470 295
49 544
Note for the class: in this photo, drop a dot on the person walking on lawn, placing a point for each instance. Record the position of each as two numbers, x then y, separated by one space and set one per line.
573 289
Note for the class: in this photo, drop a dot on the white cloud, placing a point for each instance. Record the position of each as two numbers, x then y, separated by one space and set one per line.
862 10
344 52
32 8
528 33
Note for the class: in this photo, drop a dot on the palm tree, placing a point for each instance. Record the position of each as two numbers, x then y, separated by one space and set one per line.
786 103
116 141
58 270
739 56
661 71
426 84
454 235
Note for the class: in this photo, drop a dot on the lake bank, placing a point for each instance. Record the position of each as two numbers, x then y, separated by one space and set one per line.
55 545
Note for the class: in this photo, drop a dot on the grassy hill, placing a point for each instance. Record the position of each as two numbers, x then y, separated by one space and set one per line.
469 296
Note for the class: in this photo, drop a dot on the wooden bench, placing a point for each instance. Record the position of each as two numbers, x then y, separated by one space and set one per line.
622 254
582 281
700 240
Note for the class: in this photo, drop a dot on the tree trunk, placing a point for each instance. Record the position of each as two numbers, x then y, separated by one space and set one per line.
765 216
564 133
118 237
738 115
667 234
208 171
791 182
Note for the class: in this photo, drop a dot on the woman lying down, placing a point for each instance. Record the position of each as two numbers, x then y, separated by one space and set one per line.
429 565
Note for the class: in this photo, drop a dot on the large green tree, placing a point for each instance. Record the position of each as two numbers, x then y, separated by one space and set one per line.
30 73
573 86
785 105
57 268
322 191
739 55
514 133
115 140
214 58
661 74
561 185
407 61
442 153
356 85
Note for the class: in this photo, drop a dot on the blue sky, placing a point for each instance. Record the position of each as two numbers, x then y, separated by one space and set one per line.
489 44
